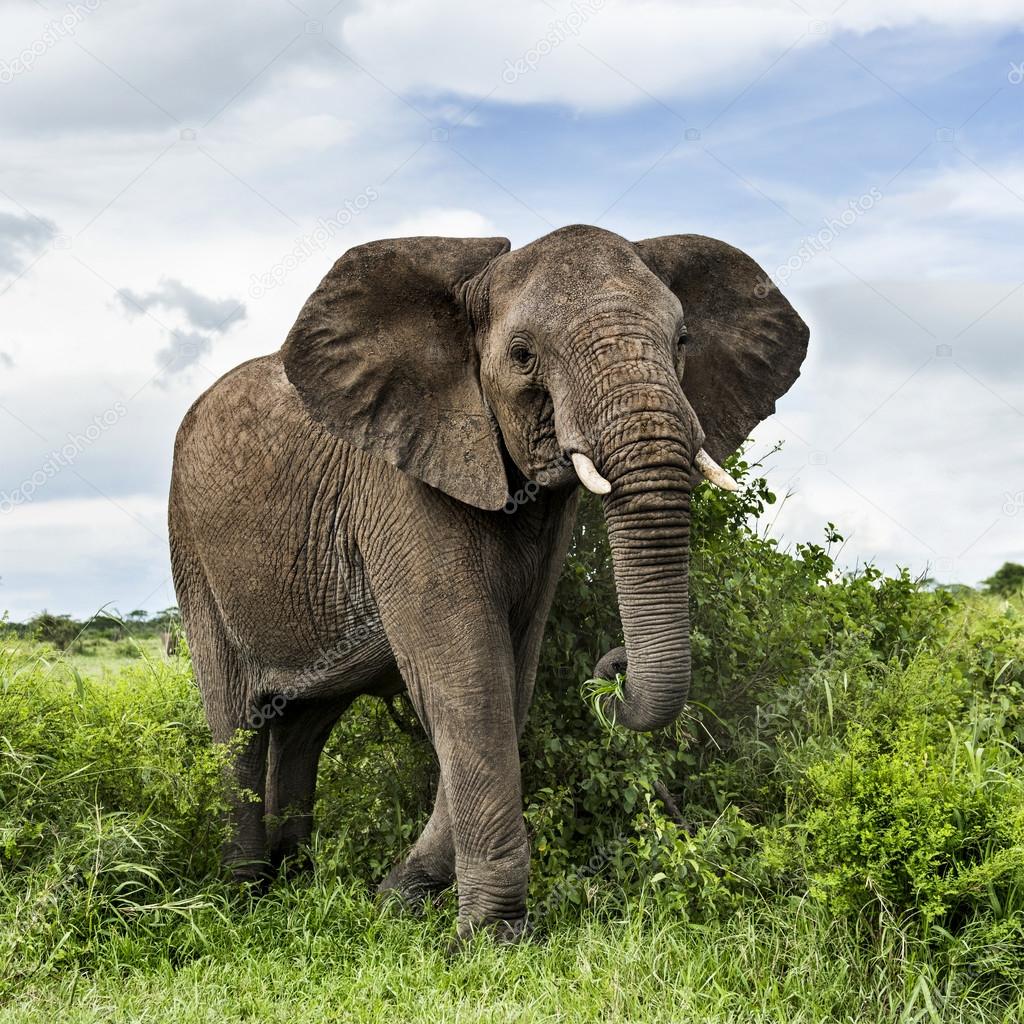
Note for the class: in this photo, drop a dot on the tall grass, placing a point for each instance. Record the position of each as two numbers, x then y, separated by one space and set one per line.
834 832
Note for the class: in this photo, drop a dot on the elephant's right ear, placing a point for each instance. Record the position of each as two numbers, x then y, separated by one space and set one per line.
383 355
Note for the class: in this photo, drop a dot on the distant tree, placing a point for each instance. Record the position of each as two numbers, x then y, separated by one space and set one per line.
956 589
1007 580
59 630
139 615
167 618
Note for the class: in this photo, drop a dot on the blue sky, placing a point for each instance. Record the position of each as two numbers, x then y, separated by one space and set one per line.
172 156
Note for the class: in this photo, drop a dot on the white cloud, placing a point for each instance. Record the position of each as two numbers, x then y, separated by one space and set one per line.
913 445
440 221
182 63
530 54
959 222
298 132
126 539
607 54
994 192
22 238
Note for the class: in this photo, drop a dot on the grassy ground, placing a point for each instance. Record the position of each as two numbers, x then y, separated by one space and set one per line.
112 907
94 657
322 952
101 658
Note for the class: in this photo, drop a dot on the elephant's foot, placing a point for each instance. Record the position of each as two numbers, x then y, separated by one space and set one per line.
245 859
293 863
290 853
410 885
492 898
252 877
501 933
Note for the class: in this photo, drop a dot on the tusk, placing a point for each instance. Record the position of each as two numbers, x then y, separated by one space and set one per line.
714 472
588 474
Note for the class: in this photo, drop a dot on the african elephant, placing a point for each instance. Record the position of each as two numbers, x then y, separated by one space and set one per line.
341 521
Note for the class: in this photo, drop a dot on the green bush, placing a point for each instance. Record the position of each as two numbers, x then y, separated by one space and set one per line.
854 738
58 630
851 754
110 798
904 826
1007 580
375 789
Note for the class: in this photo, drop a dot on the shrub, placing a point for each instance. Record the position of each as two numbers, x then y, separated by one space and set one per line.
110 799
59 630
831 747
901 825
853 747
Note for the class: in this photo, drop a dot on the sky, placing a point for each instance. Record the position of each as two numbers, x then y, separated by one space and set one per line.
178 176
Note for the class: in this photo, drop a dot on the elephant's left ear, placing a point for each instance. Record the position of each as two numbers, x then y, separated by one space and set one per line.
383 354
745 341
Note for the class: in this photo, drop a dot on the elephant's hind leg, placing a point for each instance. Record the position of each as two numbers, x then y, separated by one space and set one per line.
226 684
429 867
297 738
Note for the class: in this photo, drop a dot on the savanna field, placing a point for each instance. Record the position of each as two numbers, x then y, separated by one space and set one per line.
833 832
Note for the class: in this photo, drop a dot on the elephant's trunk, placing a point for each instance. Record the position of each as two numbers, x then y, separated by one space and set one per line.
645 444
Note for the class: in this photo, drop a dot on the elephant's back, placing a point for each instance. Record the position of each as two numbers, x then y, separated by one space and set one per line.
246 446
251 405
261 496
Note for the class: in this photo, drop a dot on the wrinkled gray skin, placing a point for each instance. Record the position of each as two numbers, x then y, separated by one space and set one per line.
339 524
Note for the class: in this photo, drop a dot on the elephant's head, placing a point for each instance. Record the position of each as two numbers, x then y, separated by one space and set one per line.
629 364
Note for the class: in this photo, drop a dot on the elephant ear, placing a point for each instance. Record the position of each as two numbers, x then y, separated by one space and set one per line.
383 355
745 341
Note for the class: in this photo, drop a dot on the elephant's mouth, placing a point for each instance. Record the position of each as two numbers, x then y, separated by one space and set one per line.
555 472
596 484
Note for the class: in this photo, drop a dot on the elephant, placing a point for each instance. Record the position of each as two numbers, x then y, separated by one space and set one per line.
386 502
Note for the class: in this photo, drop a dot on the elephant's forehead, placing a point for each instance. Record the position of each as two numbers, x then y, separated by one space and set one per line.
569 272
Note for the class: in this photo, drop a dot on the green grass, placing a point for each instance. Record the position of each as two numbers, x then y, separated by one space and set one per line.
322 952
833 832
93 657
104 658
112 907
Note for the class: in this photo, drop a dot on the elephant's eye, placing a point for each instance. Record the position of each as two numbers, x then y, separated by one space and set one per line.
682 336
523 357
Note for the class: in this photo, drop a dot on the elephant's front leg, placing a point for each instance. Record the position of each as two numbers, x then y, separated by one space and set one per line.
429 867
480 769
467 703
